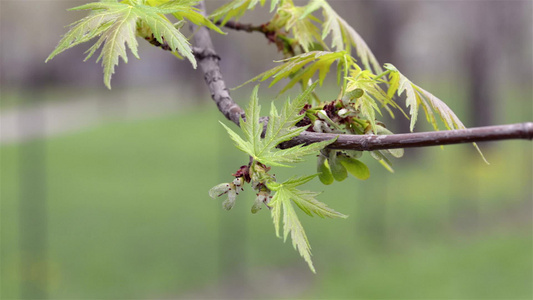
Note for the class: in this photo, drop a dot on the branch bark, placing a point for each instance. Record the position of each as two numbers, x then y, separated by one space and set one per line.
208 62
418 139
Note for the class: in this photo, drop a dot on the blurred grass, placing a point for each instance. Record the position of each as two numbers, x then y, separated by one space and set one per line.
128 216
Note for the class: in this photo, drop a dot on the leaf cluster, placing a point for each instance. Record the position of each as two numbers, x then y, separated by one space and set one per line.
302 68
280 128
417 96
236 9
299 20
118 23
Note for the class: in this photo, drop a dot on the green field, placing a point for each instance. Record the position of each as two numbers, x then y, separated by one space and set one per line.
121 211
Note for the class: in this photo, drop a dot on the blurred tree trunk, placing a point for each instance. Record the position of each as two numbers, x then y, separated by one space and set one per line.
480 58
388 24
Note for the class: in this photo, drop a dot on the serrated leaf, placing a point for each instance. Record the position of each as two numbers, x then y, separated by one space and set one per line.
343 36
287 191
239 142
273 4
280 128
303 29
294 154
292 225
116 24
301 68
251 127
311 7
418 96
234 10
306 199
367 101
184 9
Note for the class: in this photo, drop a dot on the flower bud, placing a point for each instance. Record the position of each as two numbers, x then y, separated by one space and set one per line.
230 202
343 113
219 190
322 114
238 182
357 93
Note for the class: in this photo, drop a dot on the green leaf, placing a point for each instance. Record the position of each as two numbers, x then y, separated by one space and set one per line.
303 29
311 7
241 144
116 24
324 172
184 9
343 36
417 96
280 128
164 30
305 200
235 9
355 167
367 102
382 159
337 169
303 67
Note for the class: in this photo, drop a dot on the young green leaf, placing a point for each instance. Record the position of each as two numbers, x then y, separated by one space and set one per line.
324 173
280 128
287 191
355 167
382 159
367 102
343 36
303 29
303 67
418 96
116 24
337 169
184 9
235 9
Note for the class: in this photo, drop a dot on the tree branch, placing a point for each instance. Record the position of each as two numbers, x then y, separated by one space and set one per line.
208 62
242 27
419 139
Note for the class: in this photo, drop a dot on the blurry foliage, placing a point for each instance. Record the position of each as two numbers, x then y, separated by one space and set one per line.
139 229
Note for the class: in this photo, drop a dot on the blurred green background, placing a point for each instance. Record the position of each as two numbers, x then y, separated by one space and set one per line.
104 193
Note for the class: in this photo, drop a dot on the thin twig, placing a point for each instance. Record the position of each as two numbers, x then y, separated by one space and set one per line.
242 27
208 62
